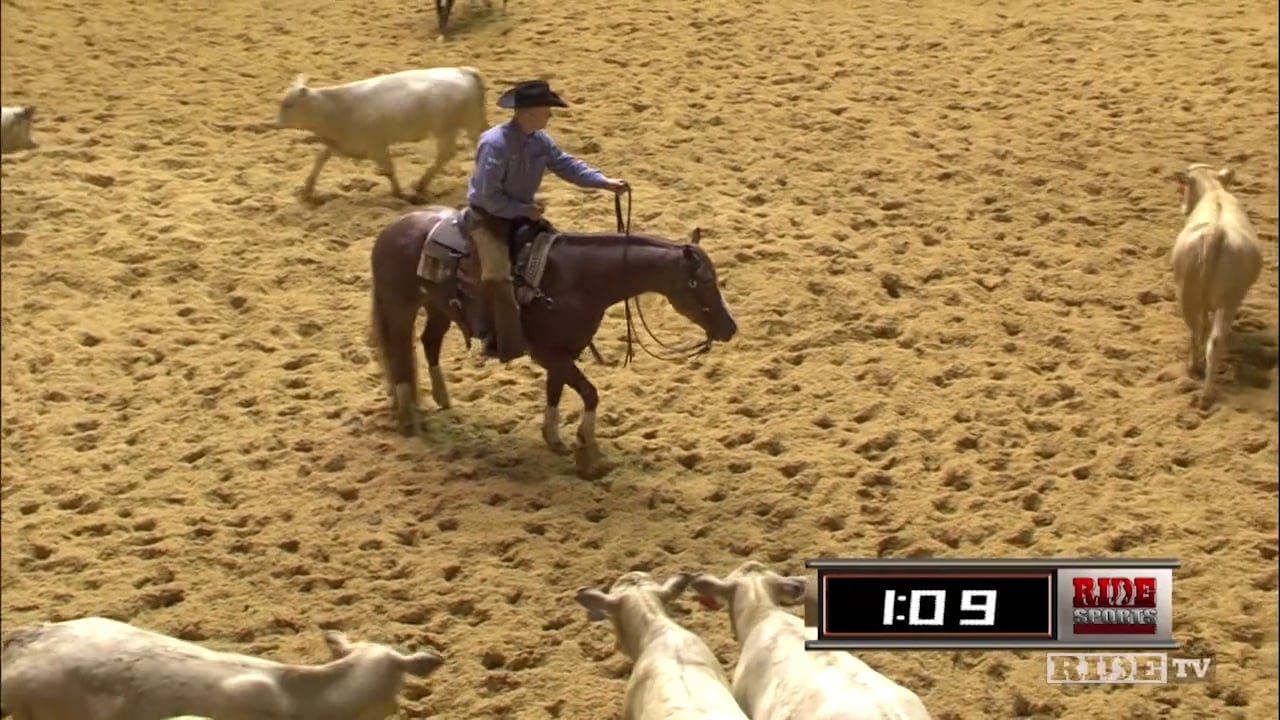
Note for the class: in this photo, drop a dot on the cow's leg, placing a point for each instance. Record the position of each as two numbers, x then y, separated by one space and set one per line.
382 156
589 459
1193 316
1215 351
446 148
551 416
309 185
432 337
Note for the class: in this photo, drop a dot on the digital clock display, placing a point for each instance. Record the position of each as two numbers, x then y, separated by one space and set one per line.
1005 603
949 604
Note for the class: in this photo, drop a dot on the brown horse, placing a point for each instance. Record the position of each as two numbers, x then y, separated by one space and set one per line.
584 275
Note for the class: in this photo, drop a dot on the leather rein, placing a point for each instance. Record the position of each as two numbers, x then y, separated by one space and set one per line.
682 352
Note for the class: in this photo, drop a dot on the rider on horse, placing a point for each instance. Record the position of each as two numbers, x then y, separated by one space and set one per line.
511 159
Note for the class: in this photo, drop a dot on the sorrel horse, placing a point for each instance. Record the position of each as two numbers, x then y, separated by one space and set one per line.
584 275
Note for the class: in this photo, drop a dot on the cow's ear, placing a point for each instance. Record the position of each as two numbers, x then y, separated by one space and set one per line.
790 590
338 644
598 604
712 591
675 585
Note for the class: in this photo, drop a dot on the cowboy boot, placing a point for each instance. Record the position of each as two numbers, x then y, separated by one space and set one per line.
506 319
483 322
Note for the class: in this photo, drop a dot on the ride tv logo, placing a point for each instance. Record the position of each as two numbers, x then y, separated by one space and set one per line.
1114 605
1140 668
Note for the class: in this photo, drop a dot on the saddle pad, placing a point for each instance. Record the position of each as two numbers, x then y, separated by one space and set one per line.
532 261
445 245
451 232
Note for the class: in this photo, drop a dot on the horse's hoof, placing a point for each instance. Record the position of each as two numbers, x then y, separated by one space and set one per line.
590 463
441 398
413 198
408 422
558 447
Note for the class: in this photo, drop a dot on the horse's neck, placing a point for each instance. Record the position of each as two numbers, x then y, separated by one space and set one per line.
625 268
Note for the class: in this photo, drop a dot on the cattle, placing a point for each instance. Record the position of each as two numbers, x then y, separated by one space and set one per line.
675 675
15 128
103 669
776 678
1216 259
362 119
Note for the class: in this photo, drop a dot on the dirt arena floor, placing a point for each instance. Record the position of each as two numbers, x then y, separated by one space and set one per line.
944 234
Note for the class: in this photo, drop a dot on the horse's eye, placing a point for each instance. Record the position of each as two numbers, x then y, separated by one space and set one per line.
693 283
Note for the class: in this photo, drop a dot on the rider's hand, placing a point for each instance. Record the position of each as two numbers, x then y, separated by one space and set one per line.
617 186
536 214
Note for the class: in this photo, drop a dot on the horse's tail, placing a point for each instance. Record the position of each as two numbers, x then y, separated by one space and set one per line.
378 329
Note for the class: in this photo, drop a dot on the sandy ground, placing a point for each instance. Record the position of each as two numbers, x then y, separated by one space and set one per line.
945 237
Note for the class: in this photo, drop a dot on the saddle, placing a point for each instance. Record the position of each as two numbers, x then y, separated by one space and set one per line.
448 261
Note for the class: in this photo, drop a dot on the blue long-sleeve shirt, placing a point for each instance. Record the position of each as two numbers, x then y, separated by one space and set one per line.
510 166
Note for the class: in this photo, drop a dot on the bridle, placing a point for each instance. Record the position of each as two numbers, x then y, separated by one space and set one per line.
683 352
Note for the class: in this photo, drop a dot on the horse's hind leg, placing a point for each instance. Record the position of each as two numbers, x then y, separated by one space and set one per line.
432 338
403 371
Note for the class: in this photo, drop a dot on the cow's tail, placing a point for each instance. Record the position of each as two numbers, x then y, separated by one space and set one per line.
1210 254
480 110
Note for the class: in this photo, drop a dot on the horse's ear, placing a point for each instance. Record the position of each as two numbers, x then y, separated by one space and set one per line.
696 236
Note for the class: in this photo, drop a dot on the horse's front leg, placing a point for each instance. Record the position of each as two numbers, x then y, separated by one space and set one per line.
432 338
590 461
551 417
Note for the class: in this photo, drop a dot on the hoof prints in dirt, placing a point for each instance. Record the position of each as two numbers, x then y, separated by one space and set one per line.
953 339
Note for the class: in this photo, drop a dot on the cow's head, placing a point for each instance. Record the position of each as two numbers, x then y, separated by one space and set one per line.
634 592
1197 179
293 106
393 661
749 586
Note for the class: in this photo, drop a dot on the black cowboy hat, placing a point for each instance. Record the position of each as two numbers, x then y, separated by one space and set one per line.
531 93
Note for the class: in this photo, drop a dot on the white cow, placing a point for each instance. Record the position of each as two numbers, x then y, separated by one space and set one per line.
362 119
98 669
1216 259
776 678
675 674
15 128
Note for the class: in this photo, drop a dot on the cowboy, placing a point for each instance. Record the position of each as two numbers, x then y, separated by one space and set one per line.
511 159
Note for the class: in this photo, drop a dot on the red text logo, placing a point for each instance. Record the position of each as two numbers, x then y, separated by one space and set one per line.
1114 606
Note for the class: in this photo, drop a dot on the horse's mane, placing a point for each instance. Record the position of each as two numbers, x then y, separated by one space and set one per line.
615 239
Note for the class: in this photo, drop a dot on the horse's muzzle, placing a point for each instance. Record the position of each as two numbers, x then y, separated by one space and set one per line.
723 332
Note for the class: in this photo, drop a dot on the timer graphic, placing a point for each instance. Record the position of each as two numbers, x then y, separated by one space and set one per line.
982 600
952 603
939 604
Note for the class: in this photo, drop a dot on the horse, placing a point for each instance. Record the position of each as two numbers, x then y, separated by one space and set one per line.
444 7
583 275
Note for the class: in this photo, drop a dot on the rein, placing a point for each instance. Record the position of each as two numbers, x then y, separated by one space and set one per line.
690 350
